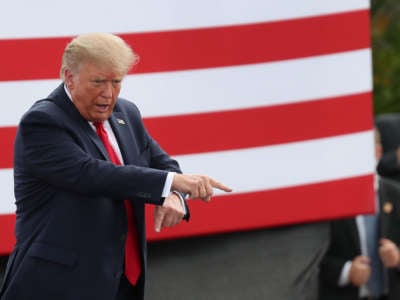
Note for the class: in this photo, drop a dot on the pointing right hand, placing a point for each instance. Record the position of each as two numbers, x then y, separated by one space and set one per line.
197 186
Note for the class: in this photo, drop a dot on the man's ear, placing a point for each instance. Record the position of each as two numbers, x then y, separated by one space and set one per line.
69 79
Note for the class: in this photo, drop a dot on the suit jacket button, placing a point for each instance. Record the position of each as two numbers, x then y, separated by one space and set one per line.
118 274
123 237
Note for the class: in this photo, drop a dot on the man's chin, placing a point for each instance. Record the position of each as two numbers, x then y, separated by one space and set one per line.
100 117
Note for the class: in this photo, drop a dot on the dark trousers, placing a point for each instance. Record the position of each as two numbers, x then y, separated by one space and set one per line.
126 291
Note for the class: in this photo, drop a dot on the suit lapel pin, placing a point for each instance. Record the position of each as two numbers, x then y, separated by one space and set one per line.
387 207
120 121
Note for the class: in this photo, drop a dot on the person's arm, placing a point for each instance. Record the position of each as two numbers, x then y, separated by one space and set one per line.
331 269
53 153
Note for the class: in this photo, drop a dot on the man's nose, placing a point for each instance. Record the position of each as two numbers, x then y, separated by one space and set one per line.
107 89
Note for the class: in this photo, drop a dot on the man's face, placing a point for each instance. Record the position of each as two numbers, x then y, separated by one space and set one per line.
94 91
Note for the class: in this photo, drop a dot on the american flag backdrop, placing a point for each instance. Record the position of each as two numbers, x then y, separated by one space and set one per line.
273 98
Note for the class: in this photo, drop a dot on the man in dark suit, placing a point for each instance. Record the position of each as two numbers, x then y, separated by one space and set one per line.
84 168
363 259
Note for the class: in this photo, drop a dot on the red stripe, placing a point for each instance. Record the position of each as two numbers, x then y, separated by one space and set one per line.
248 211
246 128
262 209
39 58
262 126
7 135
7 239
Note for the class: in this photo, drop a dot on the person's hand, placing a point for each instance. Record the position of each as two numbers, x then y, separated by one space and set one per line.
389 253
197 186
169 214
360 270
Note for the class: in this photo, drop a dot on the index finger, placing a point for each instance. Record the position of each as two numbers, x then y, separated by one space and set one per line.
220 186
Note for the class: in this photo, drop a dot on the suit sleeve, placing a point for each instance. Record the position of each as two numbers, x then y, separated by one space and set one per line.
331 269
53 154
334 260
158 158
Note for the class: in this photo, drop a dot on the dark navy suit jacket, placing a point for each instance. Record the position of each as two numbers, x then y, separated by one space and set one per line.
71 221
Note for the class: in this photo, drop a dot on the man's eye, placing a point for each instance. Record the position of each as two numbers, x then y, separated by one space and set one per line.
96 82
101 82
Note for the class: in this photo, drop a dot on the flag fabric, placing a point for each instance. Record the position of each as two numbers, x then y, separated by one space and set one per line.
273 98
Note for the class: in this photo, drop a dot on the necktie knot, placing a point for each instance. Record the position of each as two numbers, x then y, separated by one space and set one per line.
99 127
102 133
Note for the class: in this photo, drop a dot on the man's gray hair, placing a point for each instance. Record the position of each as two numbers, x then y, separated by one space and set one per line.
104 50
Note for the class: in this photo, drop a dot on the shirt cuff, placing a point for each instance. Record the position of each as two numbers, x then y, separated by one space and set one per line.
182 200
344 278
167 185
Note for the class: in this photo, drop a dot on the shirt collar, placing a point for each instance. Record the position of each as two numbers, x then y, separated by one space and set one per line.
67 92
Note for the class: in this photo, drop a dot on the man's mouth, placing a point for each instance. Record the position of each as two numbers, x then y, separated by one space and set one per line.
103 107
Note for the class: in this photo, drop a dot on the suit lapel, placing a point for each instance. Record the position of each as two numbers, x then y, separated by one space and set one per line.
61 99
123 133
130 154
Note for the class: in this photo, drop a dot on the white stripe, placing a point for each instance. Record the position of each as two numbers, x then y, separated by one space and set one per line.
264 168
289 164
7 191
247 86
21 18
183 92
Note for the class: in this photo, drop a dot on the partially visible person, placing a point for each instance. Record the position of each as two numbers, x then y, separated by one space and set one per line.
389 128
84 168
363 259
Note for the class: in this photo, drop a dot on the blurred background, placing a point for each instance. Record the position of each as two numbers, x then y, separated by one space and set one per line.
385 30
217 266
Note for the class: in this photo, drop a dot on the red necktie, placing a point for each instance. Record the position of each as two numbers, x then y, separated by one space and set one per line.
132 256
